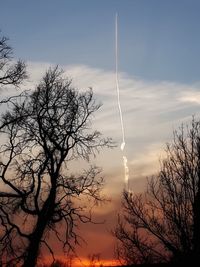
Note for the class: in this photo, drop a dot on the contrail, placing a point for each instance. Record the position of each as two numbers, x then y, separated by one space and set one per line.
126 171
117 82
125 161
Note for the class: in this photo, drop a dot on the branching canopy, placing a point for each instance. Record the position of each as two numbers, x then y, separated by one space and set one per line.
164 223
42 132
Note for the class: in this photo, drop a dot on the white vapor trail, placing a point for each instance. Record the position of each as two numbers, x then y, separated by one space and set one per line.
117 83
125 161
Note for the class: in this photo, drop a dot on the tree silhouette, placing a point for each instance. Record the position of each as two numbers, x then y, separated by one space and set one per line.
163 224
10 73
43 132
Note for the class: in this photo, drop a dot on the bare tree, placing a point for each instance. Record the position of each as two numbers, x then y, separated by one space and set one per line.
10 73
43 132
163 224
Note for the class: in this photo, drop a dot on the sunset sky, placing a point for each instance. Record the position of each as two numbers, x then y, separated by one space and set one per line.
159 76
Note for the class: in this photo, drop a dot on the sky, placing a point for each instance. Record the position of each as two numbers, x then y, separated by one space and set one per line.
159 77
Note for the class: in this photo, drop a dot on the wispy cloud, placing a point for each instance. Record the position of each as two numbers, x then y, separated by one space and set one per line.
151 110
192 97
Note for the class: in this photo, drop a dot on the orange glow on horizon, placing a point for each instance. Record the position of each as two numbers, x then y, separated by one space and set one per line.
86 263
83 262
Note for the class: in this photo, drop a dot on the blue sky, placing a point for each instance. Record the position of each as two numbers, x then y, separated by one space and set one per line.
159 76
159 40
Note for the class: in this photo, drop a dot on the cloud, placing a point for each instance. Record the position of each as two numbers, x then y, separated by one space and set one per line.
192 97
151 110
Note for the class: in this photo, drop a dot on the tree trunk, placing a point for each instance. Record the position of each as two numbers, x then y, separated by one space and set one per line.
34 245
35 240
